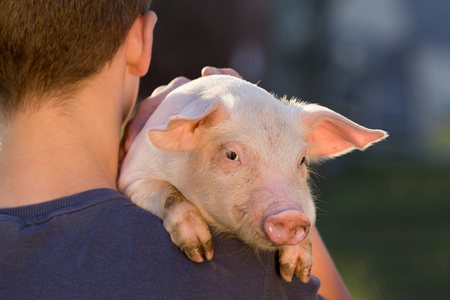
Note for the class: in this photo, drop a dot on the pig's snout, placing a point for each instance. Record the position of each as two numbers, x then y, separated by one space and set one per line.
288 227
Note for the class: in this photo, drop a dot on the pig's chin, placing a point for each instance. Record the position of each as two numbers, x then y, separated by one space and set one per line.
263 242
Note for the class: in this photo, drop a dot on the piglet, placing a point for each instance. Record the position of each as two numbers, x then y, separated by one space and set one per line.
223 152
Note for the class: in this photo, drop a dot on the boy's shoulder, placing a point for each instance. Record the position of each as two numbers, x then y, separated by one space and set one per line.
99 244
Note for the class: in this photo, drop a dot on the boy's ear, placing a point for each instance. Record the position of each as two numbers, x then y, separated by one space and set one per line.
139 43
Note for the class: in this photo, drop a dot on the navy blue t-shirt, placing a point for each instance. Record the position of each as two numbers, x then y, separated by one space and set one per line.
99 245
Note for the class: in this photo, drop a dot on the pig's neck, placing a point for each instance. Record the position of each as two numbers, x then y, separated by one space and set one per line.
45 155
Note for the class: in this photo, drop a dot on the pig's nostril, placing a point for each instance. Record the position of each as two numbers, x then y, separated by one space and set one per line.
287 227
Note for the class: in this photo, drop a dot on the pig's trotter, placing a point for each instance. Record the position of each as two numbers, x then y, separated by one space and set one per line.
187 228
196 253
296 259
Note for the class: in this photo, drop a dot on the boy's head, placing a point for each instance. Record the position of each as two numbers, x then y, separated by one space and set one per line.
47 47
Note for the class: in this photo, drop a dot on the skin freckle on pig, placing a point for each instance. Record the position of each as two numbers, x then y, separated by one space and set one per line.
171 201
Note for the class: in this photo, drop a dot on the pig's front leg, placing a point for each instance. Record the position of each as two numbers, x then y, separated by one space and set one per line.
296 259
187 227
181 219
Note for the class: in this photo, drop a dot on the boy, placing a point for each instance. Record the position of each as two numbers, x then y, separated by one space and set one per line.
69 77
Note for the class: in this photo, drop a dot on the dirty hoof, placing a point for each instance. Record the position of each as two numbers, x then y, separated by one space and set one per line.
189 231
296 259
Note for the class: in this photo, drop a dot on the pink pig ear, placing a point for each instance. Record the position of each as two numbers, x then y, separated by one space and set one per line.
181 132
331 134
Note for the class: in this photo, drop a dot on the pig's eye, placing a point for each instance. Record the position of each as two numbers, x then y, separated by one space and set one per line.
303 161
231 155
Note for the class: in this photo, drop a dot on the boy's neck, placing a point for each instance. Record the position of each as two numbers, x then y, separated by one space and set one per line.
58 151
52 153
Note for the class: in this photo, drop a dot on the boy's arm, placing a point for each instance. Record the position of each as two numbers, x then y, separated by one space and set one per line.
332 287
144 110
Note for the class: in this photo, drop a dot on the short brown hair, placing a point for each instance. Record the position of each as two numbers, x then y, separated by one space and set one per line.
48 46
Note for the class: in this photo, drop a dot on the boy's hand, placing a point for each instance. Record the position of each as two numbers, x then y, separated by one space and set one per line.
149 105
144 111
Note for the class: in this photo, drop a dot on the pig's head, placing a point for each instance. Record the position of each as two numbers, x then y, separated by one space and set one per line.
247 155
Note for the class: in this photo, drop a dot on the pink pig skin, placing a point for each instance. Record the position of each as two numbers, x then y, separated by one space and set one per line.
224 152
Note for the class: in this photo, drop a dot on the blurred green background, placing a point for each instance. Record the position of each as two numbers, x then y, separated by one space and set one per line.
383 213
386 223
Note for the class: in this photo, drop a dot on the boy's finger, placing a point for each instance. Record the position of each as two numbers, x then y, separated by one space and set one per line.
217 71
